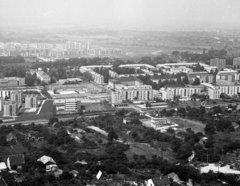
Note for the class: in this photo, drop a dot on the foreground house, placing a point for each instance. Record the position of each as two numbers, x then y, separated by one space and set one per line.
158 181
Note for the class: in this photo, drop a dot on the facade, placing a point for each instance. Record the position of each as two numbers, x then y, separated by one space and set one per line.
41 75
97 78
71 105
129 81
31 101
16 96
214 92
10 109
1 104
204 77
12 82
228 75
236 63
220 63
169 92
129 89
137 66
159 122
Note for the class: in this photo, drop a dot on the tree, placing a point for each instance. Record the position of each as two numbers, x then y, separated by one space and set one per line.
53 120
112 135
196 81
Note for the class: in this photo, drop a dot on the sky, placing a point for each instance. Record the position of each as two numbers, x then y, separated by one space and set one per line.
121 14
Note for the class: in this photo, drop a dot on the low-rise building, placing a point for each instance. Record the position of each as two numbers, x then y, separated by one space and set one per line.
12 82
214 91
41 75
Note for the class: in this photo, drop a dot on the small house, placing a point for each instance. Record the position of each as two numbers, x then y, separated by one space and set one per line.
158 181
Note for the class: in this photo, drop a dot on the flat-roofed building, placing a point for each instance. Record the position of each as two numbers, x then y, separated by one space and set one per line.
214 91
203 76
31 101
169 92
130 81
130 88
41 75
10 109
228 75
12 82
16 96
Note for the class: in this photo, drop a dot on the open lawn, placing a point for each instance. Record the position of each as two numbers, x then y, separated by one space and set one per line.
183 123
148 152
47 107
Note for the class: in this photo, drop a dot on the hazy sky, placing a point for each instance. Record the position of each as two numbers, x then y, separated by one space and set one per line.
121 13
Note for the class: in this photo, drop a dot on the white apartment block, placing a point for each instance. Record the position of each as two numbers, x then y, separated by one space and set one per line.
137 66
129 88
143 93
71 104
16 96
97 78
228 75
168 93
10 109
31 101
12 82
214 92
41 75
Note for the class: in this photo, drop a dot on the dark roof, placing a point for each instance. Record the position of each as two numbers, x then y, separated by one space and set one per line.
160 182
17 159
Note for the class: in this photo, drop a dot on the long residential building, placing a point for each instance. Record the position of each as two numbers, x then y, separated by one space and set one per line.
12 82
169 92
228 75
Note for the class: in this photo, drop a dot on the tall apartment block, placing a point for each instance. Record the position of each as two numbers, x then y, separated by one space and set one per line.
236 63
31 101
220 63
10 109
16 96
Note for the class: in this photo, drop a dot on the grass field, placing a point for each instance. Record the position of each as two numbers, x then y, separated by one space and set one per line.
47 107
148 152
187 123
